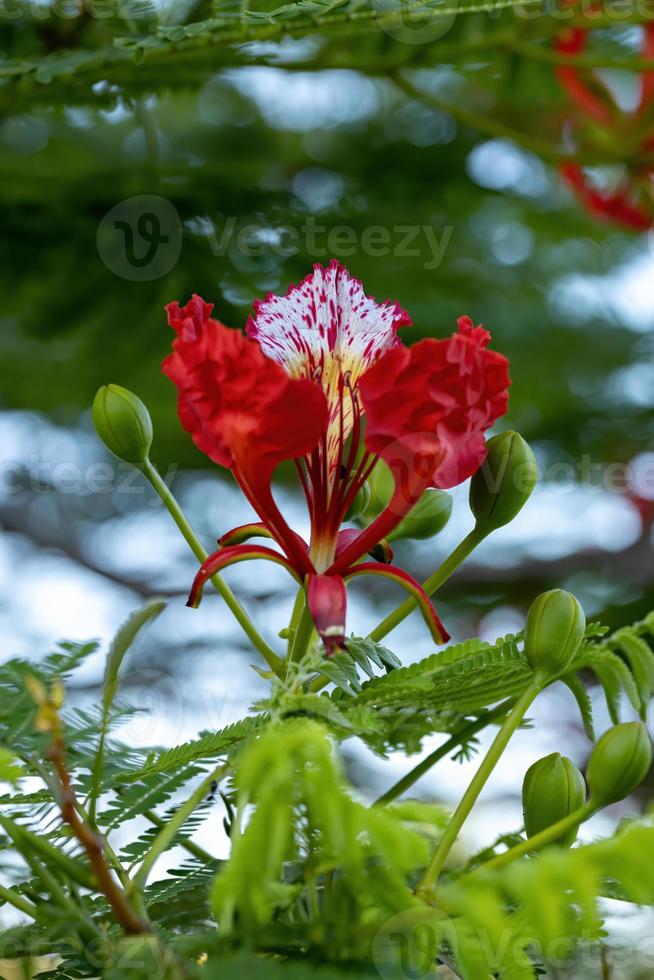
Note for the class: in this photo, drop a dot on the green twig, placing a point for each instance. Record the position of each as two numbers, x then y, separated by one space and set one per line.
535 843
302 635
434 582
274 662
406 782
479 780
168 832
19 902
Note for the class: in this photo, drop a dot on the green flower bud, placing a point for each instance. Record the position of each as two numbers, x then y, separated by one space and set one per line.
360 504
426 518
382 486
123 424
619 762
554 630
503 485
553 788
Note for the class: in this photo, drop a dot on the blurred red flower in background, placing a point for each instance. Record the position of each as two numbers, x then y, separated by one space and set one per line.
600 118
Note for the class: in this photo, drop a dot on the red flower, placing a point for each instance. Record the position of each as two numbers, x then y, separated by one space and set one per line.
317 361
241 408
629 203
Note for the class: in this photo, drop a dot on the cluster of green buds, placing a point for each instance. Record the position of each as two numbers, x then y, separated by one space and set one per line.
498 492
619 763
554 790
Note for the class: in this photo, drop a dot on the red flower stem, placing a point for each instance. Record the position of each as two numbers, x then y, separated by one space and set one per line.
260 496
301 468
364 470
274 662
430 585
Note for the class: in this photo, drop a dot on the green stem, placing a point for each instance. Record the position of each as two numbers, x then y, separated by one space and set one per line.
479 780
542 839
274 662
167 834
87 928
430 585
20 903
486 123
298 606
302 636
406 782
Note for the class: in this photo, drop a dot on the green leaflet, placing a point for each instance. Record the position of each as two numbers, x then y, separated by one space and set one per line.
118 650
468 676
209 746
292 765
462 678
156 39
623 663
120 646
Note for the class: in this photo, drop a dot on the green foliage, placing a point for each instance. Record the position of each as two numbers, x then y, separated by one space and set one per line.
289 772
317 882
623 663
462 678
209 746
541 907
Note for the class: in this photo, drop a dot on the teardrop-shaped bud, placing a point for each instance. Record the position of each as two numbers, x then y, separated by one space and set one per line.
123 424
619 762
553 788
553 633
504 483
360 504
382 486
426 518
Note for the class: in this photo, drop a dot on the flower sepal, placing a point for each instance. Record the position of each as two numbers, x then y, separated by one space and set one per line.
327 602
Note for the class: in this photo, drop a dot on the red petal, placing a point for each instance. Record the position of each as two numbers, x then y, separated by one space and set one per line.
233 399
428 406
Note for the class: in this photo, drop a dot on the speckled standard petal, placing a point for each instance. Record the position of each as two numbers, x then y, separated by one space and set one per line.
326 328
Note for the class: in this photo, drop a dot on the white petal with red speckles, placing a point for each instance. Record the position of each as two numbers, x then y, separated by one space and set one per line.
328 329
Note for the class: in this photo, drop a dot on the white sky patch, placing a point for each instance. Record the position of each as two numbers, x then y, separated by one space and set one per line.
304 101
625 294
